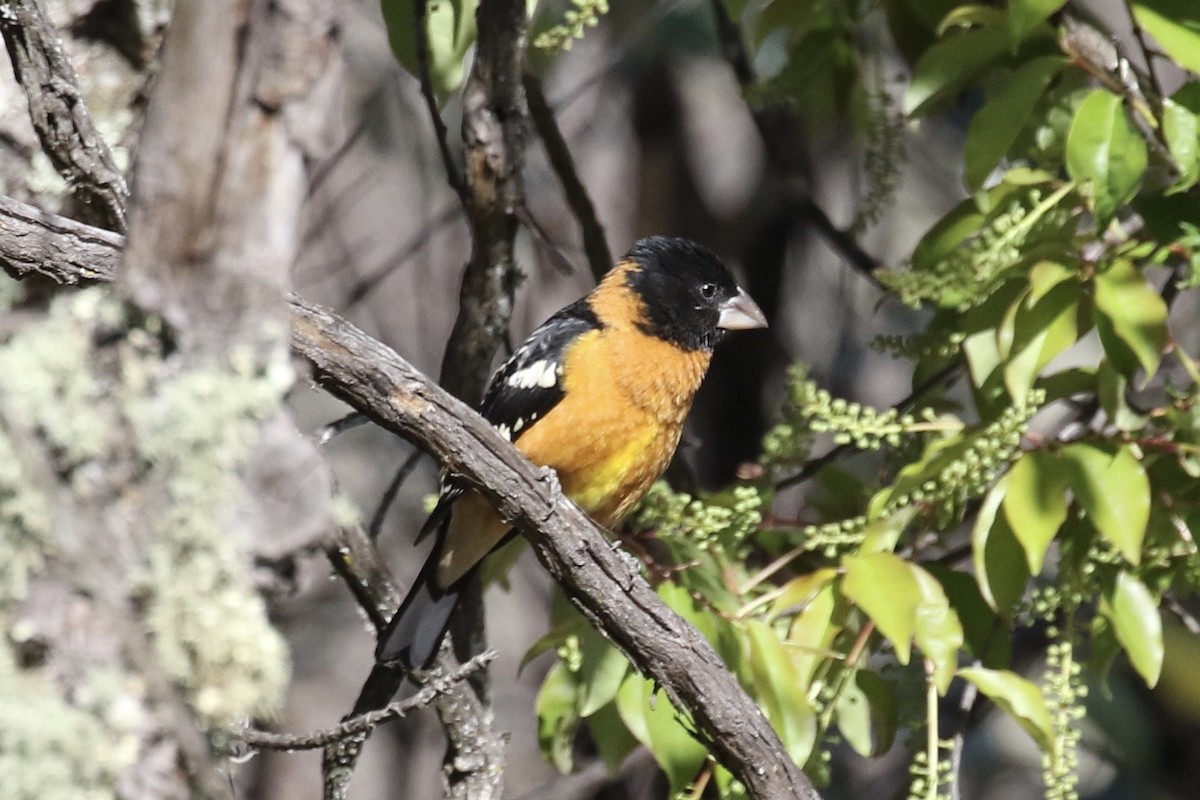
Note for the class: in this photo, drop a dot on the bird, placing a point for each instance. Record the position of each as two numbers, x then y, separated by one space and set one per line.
599 392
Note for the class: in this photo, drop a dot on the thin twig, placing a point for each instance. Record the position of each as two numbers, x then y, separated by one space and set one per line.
361 288
1140 35
595 245
364 723
389 494
542 240
421 35
362 567
59 115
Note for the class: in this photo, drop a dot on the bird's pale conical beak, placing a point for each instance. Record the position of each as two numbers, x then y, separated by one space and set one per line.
740 313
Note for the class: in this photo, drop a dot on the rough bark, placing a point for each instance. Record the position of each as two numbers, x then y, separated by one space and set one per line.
151 440
59 115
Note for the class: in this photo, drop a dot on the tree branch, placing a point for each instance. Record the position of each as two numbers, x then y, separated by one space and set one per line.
595 245
59 114
364 723
374 379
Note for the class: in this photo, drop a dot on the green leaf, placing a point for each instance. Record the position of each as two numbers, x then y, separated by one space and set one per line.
1017 696
1176 26
801 590
885 587
613 739
882 534
1035 504
996 127
854 719
451 28
881 695
981 625
1000 562
780 691
1182 132
1025 15
1042 329
1114 491
947 67
651 718
812 633
558 716
602 669
1138 626
939 633
1106 155
1130 312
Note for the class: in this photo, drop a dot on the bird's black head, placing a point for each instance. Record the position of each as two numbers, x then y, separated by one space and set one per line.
689 296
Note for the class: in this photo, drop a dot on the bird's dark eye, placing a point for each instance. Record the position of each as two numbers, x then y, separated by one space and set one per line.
708 290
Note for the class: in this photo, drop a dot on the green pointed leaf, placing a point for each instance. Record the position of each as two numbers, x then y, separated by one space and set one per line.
1106 155
979 622
996 127
1044 326
1131 313
884 586
1035 504
1114 491
882 534
780 691
1138 626
801 590
812 633
1000 562
601 671
1025 15
938 633
947 67
854 719
1017 696
881 696
612 738
651 718
1175 24
558 716
1182 131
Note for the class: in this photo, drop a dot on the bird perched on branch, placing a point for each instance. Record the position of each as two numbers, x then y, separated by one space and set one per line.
599 392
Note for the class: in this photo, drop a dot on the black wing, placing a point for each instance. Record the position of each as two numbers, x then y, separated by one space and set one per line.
529 383
523 389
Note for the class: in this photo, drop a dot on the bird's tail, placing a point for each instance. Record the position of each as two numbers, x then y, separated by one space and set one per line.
413 637
415 633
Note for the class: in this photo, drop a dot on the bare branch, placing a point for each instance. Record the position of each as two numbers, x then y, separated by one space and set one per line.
59 115
595 245
378 382
358 561
436 686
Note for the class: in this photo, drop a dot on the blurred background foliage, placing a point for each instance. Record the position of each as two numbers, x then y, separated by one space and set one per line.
939 518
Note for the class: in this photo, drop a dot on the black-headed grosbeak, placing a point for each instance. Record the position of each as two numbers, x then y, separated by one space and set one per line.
599 392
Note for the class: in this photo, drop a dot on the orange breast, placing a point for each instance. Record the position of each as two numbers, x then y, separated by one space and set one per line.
616 429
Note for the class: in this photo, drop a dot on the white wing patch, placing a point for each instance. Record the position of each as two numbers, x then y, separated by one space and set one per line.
542 374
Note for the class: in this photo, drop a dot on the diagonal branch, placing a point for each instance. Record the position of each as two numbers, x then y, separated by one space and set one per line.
59 114
374 379
594 243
